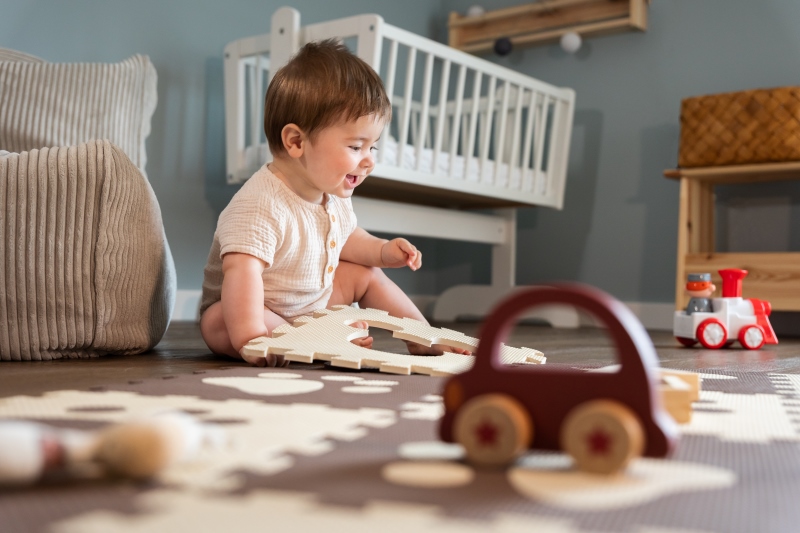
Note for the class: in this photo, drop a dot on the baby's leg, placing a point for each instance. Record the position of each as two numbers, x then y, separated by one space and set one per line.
370 287
215 333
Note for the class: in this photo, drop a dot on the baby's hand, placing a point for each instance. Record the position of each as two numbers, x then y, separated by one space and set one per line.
399 252
272 360
364 342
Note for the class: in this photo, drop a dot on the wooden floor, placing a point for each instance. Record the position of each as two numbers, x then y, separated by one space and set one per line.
182 351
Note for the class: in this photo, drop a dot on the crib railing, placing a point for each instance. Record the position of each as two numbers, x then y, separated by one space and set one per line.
459 122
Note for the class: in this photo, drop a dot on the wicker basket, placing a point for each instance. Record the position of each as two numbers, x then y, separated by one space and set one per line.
757 126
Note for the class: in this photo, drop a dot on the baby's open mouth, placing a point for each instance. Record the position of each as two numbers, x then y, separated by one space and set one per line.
352 180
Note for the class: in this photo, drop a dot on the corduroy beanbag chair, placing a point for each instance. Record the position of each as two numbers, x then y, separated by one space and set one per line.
86 268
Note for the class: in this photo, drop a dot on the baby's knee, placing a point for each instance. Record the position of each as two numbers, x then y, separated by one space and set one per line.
373 276
359 272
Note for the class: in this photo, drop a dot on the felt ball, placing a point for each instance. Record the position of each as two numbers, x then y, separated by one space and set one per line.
137 450
571 42
503 46
475 11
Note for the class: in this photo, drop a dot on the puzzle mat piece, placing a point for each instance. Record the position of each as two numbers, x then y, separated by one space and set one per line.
326 336
730 417
757 418
268 384
260 436
551 479
167 511
430 408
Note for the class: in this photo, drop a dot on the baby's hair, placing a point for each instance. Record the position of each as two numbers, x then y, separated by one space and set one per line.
324 83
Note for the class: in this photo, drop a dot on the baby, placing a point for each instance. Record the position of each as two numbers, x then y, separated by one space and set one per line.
288 242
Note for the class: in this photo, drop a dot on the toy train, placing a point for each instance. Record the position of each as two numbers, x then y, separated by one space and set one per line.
731 318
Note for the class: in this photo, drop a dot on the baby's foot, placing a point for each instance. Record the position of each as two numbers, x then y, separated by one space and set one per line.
364 342
273 360
415 348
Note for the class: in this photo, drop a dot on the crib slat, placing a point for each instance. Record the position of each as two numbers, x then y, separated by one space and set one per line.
513 162
426 105
501 133
486 130
407 101
526 178
255 102
234 111
456 126
442 115
473 122
391 70
555 133
541 129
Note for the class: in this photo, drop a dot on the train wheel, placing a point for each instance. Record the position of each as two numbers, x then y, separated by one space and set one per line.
752 337
493 428
712 334
602 436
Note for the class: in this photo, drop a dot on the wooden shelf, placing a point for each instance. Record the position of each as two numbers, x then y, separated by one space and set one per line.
773 276
546 21
757 173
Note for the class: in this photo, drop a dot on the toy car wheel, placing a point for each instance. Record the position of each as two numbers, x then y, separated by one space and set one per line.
686 341
752 337
602 436
712 334
494 429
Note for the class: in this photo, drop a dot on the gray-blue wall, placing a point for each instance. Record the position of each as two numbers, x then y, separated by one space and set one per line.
618 229
619 226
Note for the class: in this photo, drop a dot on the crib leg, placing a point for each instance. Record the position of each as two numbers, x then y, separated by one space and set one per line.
504 256
476 301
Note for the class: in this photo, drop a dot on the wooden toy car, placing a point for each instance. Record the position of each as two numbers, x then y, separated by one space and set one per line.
602 419
732 318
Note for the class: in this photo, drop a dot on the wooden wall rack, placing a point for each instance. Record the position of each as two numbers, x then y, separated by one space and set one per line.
546 21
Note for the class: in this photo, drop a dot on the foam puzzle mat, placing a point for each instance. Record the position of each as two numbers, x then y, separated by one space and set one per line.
310 448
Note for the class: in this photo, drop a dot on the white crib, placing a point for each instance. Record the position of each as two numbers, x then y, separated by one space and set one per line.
465 134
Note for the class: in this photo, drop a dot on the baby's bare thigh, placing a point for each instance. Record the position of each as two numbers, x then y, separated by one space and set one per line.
349 283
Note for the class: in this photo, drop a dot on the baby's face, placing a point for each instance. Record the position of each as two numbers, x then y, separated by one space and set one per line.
341 156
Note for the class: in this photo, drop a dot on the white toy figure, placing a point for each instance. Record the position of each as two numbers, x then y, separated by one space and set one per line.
138 449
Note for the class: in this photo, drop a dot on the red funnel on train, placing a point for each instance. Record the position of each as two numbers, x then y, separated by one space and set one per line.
732 282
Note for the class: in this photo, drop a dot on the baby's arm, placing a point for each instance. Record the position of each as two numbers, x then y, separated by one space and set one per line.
365 249
243 298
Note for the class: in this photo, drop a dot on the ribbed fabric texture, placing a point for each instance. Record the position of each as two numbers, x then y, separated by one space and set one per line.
7 54
63 104
86 267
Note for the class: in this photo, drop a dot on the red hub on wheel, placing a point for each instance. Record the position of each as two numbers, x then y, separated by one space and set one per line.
752 337
712 334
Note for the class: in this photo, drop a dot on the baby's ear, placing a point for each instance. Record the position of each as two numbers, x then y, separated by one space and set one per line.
293 139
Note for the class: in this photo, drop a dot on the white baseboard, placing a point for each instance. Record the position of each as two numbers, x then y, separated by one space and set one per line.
654 316
187 306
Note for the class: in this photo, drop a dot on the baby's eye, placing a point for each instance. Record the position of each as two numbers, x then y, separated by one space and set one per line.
355 148
373 148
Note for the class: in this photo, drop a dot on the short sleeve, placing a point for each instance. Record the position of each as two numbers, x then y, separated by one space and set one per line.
251 224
